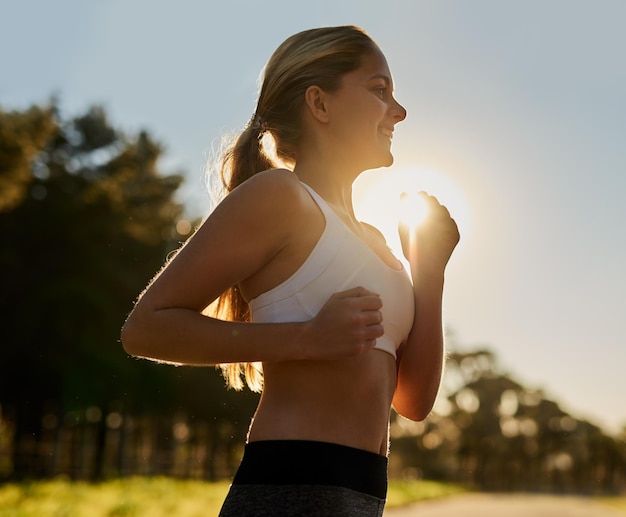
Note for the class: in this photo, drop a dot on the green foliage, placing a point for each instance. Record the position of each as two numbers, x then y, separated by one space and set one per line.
491 432
127 497
169 497
158 497
22 136
87 218
402 493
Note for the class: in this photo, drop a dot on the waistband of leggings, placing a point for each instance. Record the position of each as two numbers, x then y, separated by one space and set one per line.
305 462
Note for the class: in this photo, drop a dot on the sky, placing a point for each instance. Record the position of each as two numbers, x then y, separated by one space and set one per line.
516 120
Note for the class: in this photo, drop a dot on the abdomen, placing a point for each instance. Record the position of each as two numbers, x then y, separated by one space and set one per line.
344 401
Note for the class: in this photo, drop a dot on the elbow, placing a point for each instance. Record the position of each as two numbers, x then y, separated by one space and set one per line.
130 337
419 414
415 413
413 406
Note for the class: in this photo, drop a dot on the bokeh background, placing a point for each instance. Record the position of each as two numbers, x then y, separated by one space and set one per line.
516 120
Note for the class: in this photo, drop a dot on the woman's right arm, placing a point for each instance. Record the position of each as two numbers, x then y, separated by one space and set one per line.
246 231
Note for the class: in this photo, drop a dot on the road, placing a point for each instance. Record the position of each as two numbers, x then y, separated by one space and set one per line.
510 505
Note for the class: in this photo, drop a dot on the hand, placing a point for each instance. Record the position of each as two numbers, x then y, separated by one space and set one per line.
347 325
430 244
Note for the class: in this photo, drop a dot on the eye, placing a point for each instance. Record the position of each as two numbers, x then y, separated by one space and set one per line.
380 91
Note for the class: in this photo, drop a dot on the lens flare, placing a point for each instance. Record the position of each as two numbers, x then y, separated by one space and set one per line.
387 197
413 209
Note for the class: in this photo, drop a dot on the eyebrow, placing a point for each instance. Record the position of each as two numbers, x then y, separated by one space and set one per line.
384 77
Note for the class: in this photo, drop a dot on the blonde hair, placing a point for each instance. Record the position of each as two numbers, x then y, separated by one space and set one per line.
317 57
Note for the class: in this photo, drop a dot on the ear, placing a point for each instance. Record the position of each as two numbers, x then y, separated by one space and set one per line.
316 101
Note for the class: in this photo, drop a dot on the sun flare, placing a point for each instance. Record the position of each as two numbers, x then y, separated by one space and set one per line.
413 209
383 198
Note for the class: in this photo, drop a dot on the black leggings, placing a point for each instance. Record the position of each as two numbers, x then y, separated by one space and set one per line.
282 478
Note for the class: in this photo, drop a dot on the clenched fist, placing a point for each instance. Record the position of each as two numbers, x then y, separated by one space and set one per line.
347 325
429 245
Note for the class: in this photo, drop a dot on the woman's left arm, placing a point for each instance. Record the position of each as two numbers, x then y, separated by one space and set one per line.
420 360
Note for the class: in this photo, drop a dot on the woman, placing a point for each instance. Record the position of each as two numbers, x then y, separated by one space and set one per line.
305 289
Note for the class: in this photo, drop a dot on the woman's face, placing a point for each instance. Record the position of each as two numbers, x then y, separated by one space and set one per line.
364 113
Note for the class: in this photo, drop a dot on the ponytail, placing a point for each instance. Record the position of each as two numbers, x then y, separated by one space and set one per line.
245 158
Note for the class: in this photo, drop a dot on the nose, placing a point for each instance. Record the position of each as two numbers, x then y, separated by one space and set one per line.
398 111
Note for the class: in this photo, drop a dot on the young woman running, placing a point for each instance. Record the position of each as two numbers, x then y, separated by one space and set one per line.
306 302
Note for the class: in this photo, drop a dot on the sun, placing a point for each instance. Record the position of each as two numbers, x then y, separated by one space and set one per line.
382 198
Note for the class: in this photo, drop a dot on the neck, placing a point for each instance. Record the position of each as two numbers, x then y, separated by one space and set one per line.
335 190
330 178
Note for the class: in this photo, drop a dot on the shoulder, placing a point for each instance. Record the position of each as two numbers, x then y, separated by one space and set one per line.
273 202
251 225
271 190
271 180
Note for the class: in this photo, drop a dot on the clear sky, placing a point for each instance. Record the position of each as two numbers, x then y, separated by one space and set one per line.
516 119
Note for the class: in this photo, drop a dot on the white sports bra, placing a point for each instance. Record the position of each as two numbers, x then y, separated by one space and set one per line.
339 261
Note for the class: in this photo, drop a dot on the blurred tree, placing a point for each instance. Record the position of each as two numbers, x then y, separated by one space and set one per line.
22 136
489 431
86 218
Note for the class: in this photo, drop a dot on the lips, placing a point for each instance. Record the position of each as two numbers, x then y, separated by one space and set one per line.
387 132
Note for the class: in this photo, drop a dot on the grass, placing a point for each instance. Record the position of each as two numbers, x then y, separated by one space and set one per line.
401 493
619 503
156 497
167 497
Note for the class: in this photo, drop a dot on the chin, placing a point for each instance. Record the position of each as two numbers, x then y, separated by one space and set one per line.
378 162
387 161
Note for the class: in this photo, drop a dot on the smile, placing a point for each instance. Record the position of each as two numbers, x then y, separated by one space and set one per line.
387 132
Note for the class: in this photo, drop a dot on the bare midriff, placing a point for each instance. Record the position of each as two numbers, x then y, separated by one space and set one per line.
343 401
